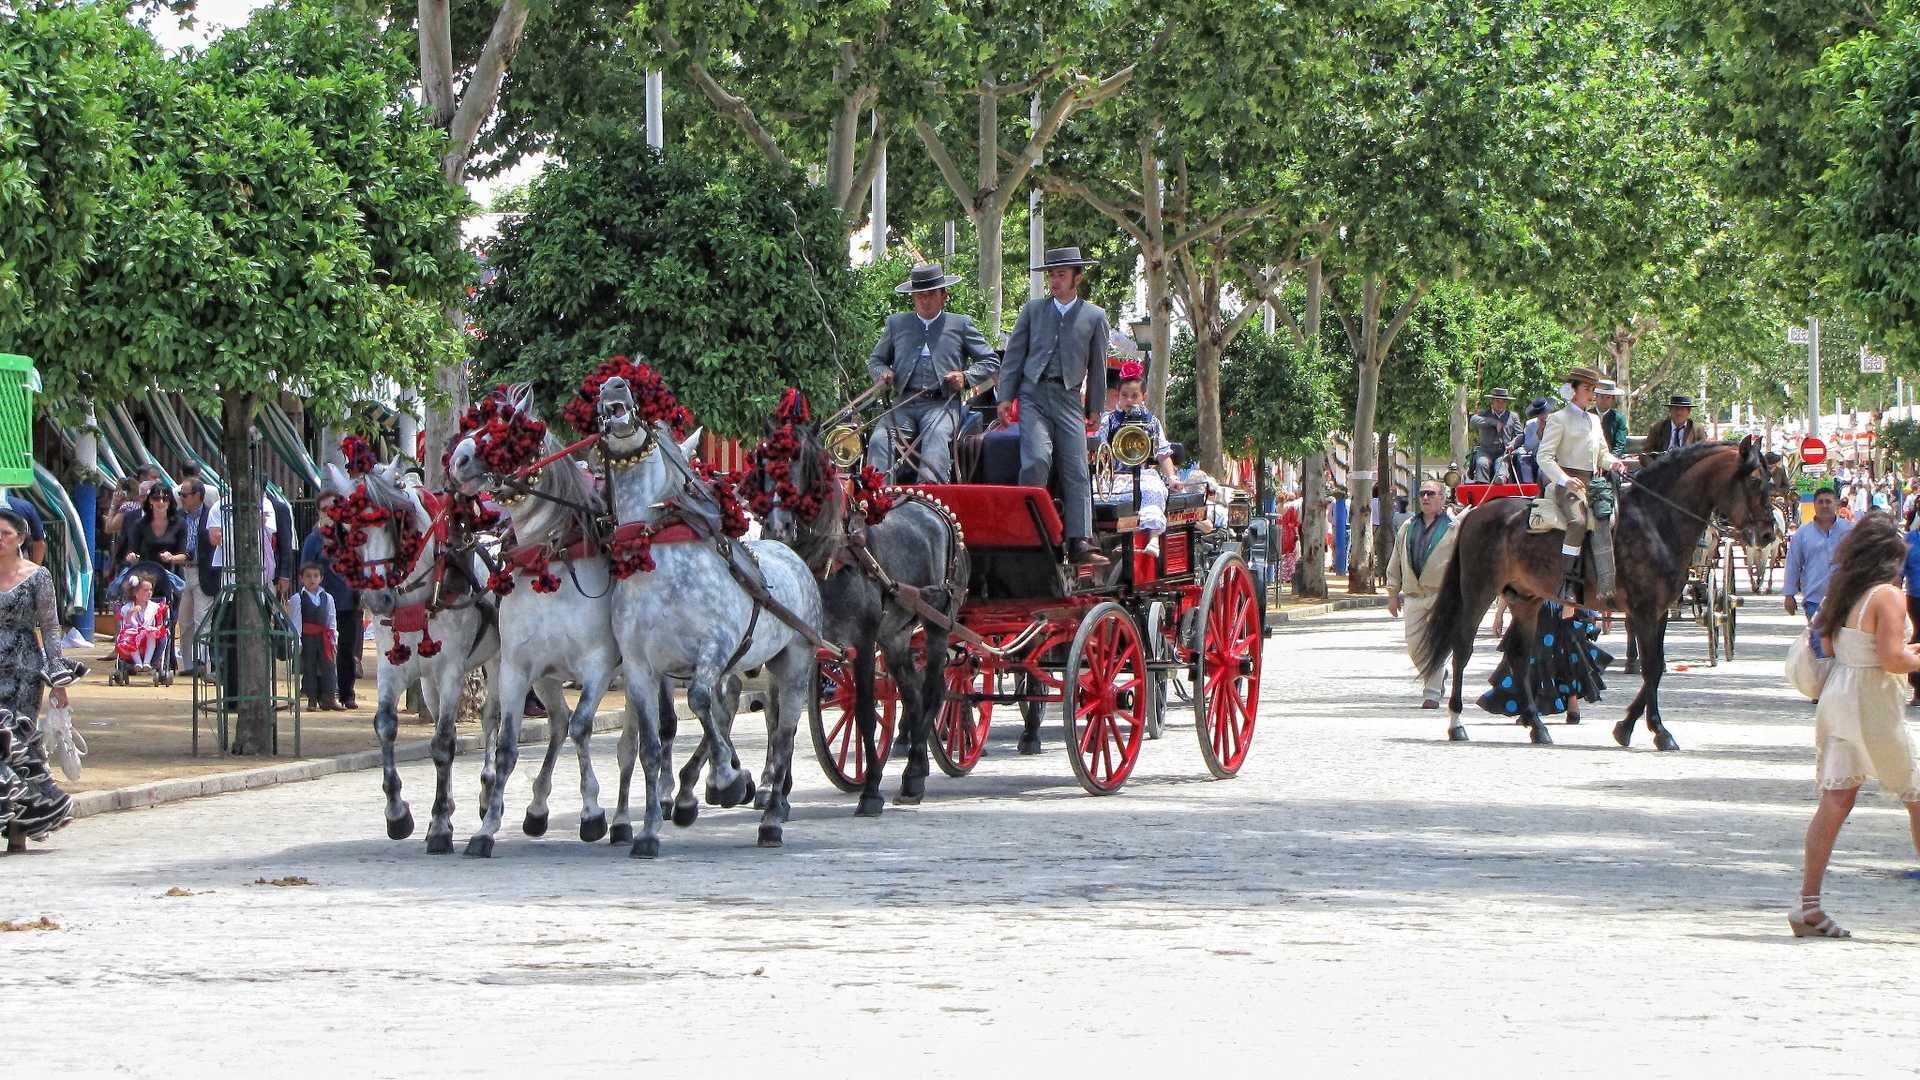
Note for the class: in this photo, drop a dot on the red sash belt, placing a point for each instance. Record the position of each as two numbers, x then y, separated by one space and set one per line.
532 558
679 532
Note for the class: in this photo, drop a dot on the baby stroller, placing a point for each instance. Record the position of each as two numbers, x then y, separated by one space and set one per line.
166 593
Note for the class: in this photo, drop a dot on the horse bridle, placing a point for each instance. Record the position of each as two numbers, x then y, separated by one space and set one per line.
1706 522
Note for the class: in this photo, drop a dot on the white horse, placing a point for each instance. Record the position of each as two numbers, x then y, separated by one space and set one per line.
560 634
459 616
1760 560
688 618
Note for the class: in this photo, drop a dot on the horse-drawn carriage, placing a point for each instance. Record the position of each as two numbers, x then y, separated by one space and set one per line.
1112 646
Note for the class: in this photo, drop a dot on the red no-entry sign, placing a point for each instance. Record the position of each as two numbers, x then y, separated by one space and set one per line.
1812 451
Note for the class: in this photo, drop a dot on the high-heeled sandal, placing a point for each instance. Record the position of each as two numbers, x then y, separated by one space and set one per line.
1819 925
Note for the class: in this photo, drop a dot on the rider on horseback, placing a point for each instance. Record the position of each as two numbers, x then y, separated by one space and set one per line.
1498 428
1572 450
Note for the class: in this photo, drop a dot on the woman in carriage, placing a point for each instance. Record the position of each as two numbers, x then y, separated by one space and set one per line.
1131 408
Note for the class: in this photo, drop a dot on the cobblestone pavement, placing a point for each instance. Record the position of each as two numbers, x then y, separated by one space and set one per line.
1365 899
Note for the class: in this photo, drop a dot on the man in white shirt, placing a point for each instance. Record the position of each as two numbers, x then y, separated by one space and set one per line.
1572 449
216 531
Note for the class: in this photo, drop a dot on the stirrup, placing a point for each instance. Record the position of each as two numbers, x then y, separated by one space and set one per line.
1822 927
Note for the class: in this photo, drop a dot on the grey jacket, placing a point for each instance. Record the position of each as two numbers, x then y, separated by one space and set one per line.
1496 430
951 341
1080 339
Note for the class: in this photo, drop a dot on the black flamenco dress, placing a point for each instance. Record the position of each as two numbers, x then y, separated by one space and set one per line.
30 801
1568 663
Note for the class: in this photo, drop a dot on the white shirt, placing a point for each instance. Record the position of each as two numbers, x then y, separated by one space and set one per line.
928 323
1064 308
217 519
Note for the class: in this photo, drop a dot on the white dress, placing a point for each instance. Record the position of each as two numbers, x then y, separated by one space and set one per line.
1860 726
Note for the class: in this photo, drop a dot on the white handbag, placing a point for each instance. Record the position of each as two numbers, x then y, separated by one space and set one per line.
1806 672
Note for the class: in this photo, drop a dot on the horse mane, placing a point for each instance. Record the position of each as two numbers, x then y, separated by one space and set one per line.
387 492
1670 466
565 475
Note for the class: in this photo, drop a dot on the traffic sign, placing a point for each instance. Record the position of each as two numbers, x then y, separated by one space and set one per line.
1798 335
1872 363
1812 451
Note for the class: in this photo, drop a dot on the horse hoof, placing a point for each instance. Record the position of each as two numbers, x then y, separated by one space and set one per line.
1029 745
713 795
1632 668
770 836
1664 741
666 808
912 790
739 792
1623 733
593 828
1456 733
871 806
401 827
761 798
620 834
1539 736
479 847
1573 718
647 847
906 799
1521 721
685 813
440 844
534 824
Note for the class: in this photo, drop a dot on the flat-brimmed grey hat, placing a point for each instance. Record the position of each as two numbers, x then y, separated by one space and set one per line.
925 278
1679 401
1607 388
1063 256
1499 393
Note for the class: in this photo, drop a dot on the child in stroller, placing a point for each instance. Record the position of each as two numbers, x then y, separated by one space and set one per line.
144 644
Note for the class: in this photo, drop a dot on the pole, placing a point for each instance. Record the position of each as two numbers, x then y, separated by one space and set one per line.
656 118
951 244
1813 376
86 503
879 198
1036 223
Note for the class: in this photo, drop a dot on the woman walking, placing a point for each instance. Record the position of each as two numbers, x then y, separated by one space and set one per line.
31 804
1860 730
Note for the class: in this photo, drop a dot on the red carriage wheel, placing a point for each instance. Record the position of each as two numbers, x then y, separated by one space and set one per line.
1227 697
836 730
960 731
1104 707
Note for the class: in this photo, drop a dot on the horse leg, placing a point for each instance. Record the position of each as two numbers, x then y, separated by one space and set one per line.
489 729
1527 617
551 695
1623 731
866 717
669 728
445 702
792 677
506 754
625 752
643 702
593 819
727 784
1033 711
1656 668
386 724
920 702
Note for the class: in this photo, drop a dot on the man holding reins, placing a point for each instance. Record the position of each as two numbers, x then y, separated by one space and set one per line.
1572 450
930 357
1498 427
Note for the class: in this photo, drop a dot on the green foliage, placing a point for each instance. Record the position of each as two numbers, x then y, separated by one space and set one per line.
284 225
1275 398
1901 438
728 278
62 132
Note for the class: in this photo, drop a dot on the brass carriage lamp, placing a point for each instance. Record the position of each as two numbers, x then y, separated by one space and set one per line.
1142 331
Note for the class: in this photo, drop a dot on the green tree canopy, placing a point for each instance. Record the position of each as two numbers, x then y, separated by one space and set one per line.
730 278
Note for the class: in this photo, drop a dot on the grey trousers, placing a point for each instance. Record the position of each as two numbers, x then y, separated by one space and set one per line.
932 424
1053 435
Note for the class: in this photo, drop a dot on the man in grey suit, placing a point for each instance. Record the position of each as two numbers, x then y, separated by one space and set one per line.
925 356
1056 368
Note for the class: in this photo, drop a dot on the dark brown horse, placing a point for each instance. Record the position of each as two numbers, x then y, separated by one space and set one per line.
1660 520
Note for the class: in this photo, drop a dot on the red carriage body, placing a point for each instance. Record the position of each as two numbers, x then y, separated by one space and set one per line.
1108 646
1475 494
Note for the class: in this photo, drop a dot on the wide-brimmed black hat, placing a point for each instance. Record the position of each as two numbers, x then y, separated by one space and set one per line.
1540 407
1679 401
925 278
1499 393
1063 256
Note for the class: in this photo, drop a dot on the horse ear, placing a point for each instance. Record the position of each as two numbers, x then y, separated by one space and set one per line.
337 481
690 445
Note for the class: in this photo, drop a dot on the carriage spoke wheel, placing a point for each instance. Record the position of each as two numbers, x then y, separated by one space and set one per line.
960 732
836 729
1227 696
1104 703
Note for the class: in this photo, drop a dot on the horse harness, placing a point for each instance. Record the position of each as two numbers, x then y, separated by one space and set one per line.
415 618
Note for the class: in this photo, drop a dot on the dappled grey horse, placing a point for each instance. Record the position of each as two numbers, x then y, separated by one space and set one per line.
464 628
688 618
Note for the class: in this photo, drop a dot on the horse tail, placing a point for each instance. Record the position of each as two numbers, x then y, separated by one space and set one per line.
1434 647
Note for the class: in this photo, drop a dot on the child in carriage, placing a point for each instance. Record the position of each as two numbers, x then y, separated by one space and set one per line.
143 626
1154 482
311 609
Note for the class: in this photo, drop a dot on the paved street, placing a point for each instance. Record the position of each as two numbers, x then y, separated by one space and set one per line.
1366 898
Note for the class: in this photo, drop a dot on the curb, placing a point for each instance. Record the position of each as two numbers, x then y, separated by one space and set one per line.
1352 603
140 796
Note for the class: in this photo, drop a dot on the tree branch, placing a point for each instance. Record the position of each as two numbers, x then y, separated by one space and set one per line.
483 88
862 183
436 61
1120 215
1400 317
1270 293
1218 223
728 104
1083 94
967 193
1023 87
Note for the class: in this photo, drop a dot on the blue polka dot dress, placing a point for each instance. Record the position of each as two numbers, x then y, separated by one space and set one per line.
1568 663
